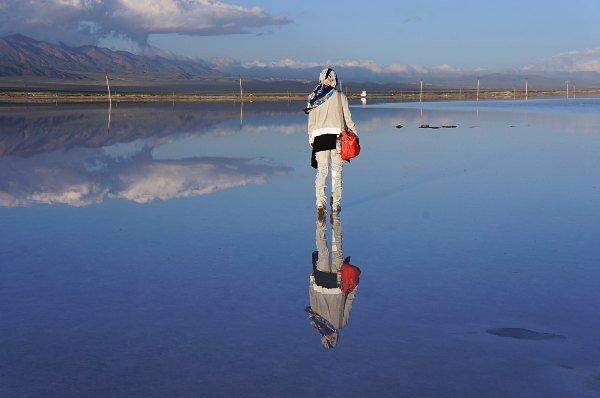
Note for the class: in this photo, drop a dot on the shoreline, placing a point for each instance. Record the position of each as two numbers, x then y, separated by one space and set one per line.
48 97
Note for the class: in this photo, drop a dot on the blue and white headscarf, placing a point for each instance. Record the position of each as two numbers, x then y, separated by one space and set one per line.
323 91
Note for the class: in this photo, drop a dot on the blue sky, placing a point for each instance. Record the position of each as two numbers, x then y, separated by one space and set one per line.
463 34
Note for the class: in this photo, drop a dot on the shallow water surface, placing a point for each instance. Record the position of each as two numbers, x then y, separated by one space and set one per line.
168 253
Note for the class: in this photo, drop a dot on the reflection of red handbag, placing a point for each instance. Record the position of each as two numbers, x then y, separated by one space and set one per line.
350 145
350 276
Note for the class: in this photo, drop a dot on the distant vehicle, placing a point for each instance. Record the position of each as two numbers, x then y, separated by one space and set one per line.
363 94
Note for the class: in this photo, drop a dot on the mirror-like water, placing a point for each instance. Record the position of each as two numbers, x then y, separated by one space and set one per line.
175 251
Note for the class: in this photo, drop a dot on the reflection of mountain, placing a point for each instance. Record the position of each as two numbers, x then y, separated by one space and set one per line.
81 177
66 155
25 131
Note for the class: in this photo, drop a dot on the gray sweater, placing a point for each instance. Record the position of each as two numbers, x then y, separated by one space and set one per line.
333 113
332 304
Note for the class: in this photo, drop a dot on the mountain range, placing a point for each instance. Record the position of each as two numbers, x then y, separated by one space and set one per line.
34 64
23 56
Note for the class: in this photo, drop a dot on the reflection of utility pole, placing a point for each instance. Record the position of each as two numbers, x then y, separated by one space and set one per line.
241 103
109 102
109 112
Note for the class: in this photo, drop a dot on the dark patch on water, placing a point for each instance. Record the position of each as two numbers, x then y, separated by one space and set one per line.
593 382
524 334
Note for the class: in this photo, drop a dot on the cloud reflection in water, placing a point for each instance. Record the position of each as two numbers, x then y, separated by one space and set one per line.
78 178
70 159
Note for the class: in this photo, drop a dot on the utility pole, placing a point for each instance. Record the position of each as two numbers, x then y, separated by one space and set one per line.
567 89
421 92
477 89
526 89
241 91
108 88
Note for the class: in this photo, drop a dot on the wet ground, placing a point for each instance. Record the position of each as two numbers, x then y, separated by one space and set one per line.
169 253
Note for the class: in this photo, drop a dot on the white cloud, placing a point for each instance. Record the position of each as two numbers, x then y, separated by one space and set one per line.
419 69
294 64
90 20
445 68
398 68
283 63
572 61
364 64
224 62
62 178
166 181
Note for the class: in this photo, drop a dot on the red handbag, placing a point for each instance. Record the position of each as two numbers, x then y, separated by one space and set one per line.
350 147
350 276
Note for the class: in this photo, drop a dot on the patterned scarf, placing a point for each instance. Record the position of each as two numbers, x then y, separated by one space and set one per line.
322 325
323 91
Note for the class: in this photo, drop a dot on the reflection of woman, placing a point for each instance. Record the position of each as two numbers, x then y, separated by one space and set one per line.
328 115
332 285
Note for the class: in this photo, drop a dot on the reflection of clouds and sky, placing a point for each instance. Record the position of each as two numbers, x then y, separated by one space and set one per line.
66 155
84 176
75 161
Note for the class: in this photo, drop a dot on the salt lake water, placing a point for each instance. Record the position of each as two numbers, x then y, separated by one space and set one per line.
168 253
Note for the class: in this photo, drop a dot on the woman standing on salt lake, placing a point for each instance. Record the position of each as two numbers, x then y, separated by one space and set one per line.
328 115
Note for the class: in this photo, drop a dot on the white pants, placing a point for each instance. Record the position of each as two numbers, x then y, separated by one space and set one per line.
326 263
324 158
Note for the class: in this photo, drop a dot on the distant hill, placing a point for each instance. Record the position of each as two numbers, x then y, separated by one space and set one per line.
362 78
24 56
